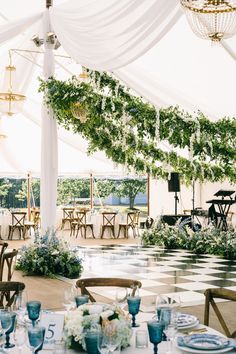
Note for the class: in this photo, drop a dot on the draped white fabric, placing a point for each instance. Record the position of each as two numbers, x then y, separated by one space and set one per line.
12 29
49 155
108 34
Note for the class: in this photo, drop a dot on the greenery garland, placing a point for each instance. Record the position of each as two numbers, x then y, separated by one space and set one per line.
130 131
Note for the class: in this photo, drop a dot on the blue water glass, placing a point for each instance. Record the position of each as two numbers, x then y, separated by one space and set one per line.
155 330
165 318
36 337
91 341
81 300
33 309
8 320
133 307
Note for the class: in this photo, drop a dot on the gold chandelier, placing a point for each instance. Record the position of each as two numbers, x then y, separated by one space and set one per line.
10 100
211 19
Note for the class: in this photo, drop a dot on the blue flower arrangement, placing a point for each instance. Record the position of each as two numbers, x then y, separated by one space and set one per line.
49 256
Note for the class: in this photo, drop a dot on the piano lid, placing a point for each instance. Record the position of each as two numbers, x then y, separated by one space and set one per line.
224 193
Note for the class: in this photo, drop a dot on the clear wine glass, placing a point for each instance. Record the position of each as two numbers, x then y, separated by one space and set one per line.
102 346
161 302
19 337
19 306
170 332
121 297
111 337
68 299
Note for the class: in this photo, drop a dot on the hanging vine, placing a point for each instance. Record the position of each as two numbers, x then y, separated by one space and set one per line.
133 133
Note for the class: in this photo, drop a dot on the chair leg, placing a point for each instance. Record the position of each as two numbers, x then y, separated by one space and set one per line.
120 226
91 226
113 231
103 229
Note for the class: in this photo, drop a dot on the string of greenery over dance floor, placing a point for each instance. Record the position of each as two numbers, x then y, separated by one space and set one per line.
132 132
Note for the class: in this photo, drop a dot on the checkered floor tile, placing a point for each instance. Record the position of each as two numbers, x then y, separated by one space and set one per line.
172 272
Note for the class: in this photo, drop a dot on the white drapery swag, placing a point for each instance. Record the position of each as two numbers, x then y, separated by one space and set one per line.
49 154
108 34
13 29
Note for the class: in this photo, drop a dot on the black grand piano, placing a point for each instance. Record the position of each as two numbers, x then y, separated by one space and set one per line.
220 207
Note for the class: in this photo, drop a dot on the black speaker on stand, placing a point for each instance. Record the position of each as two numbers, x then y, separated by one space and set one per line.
174 186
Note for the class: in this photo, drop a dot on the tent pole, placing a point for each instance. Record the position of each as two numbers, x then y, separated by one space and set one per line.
91 190
28 194
148 190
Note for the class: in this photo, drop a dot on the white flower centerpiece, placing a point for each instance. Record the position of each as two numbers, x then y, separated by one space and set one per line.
99 316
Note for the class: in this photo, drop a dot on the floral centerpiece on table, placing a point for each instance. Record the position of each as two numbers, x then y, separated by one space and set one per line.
49 256
99 316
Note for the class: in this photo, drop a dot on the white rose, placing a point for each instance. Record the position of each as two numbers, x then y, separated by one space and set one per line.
106 314
95 309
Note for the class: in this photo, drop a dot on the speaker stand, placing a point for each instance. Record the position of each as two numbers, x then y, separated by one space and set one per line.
176 202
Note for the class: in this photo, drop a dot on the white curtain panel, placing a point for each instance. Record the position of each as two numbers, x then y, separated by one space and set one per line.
13 29
109 34
49 154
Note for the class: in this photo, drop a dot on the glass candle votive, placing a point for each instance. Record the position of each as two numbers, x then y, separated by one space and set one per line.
81 300
141 339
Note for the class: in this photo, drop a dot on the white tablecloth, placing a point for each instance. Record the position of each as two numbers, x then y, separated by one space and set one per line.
141 318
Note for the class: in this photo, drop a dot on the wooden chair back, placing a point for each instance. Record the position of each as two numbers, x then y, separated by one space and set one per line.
35 216
68 213
218 293
131 219
108 219
3 247
7 264
114 282
8 291
18 218
81 217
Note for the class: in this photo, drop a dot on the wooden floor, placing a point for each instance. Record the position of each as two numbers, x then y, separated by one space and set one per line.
50 291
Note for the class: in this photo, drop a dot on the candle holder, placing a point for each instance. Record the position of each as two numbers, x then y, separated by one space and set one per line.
133 307
81 300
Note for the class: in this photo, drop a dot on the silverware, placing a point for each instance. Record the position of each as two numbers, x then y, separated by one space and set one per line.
197 330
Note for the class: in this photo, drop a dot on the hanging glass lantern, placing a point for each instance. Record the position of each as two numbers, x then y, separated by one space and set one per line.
79 112
11 101
211 19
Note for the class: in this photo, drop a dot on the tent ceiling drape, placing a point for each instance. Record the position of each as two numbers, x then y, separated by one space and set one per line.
147 44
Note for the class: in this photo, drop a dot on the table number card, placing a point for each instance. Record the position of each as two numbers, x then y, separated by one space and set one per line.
53 322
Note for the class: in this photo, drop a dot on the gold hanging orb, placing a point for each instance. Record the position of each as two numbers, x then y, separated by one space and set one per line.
211 19
79 112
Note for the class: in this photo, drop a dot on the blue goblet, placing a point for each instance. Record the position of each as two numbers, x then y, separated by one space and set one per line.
8 320
155 330
36 338
133 307
81 300
33 309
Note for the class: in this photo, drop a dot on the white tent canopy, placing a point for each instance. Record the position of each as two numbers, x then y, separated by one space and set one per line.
154 52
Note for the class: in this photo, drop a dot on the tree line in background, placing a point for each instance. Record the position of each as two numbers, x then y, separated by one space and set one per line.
13 192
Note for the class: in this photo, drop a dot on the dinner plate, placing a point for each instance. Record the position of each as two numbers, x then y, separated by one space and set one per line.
192 325
199 351
205 341
185 348
185 319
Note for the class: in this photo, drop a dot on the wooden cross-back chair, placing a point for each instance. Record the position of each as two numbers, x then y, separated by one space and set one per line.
81 224
68 216
17 223
108 222
34 220
83 284
8 291
6 267
218 293
3 247
132 221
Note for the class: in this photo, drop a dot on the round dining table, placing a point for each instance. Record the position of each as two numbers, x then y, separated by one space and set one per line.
142 319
